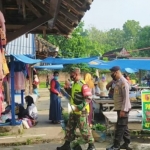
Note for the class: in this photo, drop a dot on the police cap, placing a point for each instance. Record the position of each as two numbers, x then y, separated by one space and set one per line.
115 68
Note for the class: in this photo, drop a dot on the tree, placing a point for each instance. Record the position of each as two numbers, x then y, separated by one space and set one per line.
131 29
144 41
79 45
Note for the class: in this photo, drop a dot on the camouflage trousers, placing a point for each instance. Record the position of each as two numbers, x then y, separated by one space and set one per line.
81 122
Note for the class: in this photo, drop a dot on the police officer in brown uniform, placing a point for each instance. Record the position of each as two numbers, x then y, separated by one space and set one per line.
122 106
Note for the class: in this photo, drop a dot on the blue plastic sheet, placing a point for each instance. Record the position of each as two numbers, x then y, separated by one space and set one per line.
26 59
49 67
51 60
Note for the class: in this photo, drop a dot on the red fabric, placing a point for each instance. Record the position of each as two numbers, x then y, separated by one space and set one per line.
1 101
52 89
36 83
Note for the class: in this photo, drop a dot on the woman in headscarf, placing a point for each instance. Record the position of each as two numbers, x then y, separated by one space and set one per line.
102 85
89 81
55 100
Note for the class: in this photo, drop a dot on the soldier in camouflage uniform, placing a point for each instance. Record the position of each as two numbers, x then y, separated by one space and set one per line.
122 106
78 118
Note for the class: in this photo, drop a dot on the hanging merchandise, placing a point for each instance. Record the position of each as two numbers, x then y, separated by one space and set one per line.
2 22
1 97
3 67
4 64
3 37
19 77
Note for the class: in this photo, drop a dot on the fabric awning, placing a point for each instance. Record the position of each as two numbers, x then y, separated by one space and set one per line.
26 59
51 60
49 67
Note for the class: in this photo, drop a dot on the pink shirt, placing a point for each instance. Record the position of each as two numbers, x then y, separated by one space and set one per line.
2 21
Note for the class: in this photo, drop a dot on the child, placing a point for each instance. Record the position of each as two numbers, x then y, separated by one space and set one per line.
35 85
32 109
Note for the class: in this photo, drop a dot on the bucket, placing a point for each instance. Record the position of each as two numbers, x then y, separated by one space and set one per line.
99 136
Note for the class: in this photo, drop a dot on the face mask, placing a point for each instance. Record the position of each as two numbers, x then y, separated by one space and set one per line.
72 78
113 76
56 77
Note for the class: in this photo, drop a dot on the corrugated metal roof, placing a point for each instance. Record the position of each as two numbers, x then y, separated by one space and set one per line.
22 46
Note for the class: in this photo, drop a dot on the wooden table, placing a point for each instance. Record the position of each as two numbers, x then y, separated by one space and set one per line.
133 118
134 121
142 88
105 102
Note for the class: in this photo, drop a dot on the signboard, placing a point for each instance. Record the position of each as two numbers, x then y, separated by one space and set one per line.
145 95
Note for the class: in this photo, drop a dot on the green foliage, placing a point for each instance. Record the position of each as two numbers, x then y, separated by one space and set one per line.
99 127
131 29
65 116
79 45
94 42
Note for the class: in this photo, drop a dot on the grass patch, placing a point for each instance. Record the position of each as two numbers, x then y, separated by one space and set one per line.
4 134
42 85
62 84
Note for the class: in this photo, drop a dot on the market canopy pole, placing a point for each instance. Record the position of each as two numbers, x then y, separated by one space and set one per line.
12 92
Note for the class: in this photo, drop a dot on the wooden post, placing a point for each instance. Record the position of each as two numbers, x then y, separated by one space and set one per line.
30 79
140 76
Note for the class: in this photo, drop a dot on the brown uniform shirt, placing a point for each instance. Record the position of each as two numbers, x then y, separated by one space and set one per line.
121 95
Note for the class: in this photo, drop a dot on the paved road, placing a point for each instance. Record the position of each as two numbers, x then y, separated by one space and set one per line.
50 146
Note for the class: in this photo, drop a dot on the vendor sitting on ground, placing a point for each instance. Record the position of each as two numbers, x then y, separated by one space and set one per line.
32 109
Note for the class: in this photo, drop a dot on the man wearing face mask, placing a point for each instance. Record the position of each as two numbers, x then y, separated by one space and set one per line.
55 101
122 106
78 118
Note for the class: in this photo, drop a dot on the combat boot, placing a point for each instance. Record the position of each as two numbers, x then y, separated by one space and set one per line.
77 147
125 146
91 147
113 148
66 146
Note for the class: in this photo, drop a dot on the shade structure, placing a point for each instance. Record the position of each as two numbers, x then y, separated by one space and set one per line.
131 63
50 67
124 63
51 60
130 70
26 59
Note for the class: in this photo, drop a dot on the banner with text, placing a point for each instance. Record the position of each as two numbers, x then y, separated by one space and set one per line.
145 95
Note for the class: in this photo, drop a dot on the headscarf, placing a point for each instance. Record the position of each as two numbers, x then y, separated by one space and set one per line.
103 77
36 79
89 80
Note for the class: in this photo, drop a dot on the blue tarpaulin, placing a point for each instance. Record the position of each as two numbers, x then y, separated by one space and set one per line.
51 60
49 67
131 63
26 59
127 65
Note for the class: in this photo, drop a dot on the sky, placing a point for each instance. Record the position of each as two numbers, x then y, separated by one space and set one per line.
107 14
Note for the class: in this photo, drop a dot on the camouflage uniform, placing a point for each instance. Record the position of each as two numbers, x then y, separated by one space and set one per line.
80 121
